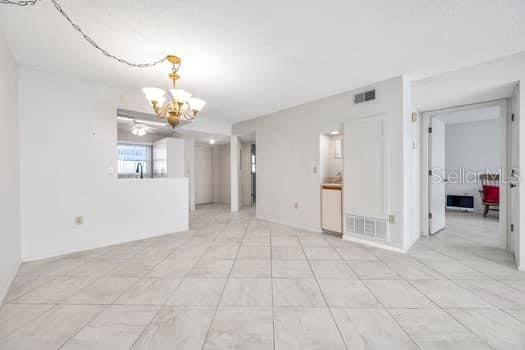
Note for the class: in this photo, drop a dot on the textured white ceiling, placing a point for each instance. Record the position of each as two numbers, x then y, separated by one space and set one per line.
248 58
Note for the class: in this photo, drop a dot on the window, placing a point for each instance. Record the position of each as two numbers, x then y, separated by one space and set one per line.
129 156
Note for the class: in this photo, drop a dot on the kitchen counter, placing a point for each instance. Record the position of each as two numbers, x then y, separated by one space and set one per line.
334 186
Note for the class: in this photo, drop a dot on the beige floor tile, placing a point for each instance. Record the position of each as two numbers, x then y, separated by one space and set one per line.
297 292
448 294
15 316
288 253
187 253
198 292
52 329
56 291
241 328
173 268
302 328
254 252
126 315
285 241
518 314
211 269
251 269
291 269
104 338
313 240
149 291
177 327
435 329
498 329
371 329
495 293
49 267
355 253
23 284
413 270
372 270
347 293
454 270
104 290
321 253
98 268
247 292
332 269
398 294
221 252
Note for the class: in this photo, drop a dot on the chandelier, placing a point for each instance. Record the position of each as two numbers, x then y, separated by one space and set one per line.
181 106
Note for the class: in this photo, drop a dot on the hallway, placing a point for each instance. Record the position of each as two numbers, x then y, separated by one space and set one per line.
234 282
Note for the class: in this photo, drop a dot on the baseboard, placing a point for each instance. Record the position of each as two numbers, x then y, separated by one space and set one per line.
300 227
96 246
5 288
374 244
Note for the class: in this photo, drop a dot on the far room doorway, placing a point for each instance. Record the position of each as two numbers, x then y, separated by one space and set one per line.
248 170
468 149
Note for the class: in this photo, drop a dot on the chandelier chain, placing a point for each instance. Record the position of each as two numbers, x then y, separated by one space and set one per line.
86 37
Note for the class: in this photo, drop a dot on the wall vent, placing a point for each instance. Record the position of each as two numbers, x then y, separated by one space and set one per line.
361 225
365 96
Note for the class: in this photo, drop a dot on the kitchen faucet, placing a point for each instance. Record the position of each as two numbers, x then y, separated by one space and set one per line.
140 169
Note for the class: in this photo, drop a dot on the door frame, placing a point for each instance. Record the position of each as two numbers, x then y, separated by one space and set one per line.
425 161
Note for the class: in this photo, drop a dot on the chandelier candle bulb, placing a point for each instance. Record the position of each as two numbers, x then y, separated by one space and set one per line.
180 96
196 104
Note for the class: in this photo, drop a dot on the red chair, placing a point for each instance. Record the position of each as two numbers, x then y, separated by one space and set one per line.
489 192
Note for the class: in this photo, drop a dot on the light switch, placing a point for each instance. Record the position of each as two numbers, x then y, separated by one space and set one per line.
315 169
110 170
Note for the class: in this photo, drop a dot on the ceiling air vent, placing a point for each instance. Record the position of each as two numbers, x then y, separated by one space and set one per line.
365 96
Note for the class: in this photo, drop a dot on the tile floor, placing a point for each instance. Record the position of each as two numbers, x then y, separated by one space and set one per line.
234 282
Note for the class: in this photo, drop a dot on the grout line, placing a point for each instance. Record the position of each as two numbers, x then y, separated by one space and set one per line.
224 287
324 297
217 219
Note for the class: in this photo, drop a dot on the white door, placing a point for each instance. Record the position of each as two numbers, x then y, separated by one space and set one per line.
436 180
203 175
514 174
365 167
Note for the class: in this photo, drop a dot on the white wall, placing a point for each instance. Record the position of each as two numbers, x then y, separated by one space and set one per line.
68 137
189 161
474 147
221 174
288 150
9 176
171 153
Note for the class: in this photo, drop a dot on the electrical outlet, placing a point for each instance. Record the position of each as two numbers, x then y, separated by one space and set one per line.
79 220
296 205
110 170
391 219
315 169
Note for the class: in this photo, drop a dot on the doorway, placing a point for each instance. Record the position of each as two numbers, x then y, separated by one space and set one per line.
466 151
203 174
